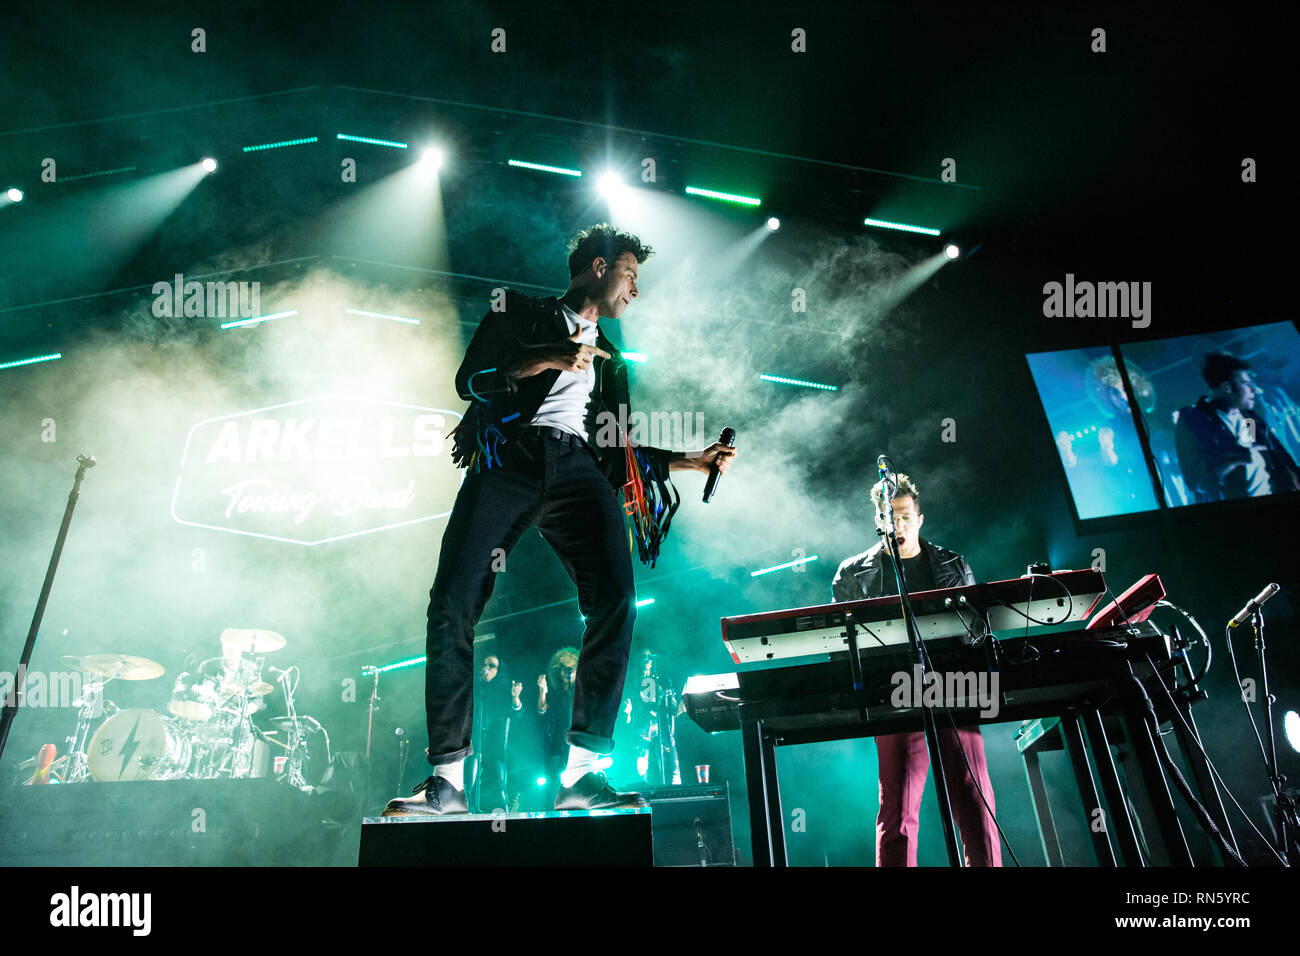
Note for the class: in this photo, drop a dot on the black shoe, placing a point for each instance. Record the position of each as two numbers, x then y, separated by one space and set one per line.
592 791
434 797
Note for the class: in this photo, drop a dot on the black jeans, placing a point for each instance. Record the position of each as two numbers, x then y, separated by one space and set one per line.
555 485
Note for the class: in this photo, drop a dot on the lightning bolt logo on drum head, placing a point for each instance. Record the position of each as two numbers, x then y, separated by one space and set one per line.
129 747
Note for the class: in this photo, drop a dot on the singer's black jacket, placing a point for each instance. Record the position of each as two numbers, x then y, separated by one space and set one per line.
522 327
863 575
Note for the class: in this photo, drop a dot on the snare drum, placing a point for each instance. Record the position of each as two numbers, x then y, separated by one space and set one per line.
138 745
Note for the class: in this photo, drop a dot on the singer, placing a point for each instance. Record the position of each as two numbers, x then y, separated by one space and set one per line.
537 374
903 758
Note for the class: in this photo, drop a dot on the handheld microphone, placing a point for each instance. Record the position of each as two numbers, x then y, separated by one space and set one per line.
1246 612
728 438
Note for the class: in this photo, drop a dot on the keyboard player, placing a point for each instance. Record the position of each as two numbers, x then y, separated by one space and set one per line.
904 762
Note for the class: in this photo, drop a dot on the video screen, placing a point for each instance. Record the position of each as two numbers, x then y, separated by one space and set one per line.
1220 411
1096 438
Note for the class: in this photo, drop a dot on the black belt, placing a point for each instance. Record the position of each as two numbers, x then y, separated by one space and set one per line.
559 434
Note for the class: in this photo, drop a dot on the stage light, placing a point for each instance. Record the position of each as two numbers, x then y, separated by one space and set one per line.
951 250
788 564
209 165
636 356
644 601
901 226
795 381
256 320
1291 727
431 160
401 665
773 224
281 144
723 197
541 781
97 173
14 195
31 361
373 142
541 168
609 185
382 315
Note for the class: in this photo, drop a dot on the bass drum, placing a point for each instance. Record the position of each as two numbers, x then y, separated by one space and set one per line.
138 745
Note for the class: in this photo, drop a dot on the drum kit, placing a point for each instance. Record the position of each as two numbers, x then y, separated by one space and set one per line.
207 732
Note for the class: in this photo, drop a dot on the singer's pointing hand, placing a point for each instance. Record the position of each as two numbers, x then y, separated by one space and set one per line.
576 358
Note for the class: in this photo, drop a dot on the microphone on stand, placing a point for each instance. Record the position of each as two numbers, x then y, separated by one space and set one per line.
728 438
1254 605
888 487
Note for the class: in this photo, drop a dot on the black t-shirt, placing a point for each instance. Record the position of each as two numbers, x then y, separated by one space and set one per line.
920 575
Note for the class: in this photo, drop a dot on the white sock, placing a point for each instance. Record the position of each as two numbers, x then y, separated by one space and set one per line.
453 773
581 762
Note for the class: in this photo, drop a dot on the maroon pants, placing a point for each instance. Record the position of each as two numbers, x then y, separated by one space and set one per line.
904 765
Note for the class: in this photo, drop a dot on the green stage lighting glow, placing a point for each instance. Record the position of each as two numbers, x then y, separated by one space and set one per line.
725 197
102 172
904 227
788 564
544 169
399 665
644 601
380 315
636 356
372 142
281 144
257 319
32 361
795 381
541 781
14 194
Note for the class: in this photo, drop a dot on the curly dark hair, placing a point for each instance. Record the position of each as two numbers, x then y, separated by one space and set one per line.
604 241
1220 366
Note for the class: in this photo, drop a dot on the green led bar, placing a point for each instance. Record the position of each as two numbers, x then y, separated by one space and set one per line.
644 601
399 665
380 315
372 142
102 172
901 226
261 318
788 564
725 197
543 168
636 356
795 381
32 361
279 145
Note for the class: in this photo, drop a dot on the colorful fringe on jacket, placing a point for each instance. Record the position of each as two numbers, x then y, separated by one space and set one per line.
649 501
476 441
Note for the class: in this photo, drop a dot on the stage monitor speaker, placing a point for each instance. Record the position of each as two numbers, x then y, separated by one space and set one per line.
692 825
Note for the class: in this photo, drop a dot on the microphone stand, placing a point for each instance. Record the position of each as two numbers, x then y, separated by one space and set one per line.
918 661
1284 805
11 709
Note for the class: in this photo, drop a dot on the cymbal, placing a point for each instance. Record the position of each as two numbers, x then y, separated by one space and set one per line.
252 640
119 666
